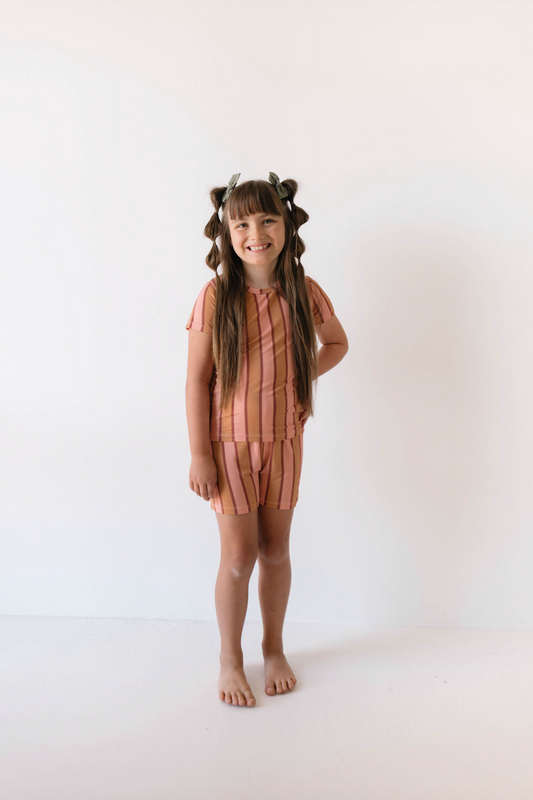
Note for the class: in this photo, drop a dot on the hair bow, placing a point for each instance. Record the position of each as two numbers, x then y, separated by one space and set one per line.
231 186
275 181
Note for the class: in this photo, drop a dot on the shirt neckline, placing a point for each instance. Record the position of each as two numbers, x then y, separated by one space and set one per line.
264 291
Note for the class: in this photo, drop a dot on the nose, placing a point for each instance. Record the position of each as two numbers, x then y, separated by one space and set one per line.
255 231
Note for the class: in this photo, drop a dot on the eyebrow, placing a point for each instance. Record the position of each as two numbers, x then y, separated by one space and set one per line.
262 214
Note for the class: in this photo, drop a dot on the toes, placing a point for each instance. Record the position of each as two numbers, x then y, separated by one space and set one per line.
249 698
245 698
279 686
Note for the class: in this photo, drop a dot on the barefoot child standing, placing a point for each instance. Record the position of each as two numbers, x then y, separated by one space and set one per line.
252 362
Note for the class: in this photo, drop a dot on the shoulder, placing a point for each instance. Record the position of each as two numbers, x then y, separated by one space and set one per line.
208 292
209 287
201 318
310 281
321 305
314 288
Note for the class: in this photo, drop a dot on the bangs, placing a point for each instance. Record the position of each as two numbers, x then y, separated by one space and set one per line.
253 197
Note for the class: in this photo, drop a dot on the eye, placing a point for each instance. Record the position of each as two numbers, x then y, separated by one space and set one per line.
268 220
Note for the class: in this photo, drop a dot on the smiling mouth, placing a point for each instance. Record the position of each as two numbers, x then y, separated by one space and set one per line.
258 248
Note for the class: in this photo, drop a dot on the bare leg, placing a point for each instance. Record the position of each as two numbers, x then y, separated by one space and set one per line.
238 554
274 587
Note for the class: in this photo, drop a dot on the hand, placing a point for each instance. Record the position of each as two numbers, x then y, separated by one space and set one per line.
304 415
203 476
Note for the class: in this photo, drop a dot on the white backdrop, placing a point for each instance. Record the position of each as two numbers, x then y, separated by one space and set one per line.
409 128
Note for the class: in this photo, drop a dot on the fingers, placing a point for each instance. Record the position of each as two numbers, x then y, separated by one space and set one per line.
210 491
304 415
204 490
203 477
207 490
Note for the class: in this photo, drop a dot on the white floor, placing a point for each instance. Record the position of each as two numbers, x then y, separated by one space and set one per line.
105 709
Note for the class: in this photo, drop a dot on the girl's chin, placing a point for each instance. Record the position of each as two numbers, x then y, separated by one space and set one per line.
260 258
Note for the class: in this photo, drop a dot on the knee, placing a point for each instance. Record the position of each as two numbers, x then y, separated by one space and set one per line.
240 563
274 554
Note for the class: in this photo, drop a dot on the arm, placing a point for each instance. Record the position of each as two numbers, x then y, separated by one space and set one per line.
203 471
334 344
334 347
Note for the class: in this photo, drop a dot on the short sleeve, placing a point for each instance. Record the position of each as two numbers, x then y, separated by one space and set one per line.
320 303
201 318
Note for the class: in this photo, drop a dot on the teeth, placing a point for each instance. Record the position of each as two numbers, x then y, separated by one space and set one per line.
262 247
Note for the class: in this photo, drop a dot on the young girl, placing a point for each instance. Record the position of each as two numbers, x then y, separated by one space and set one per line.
252 362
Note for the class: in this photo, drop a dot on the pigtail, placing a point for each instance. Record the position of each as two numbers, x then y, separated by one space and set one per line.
291 275
213 229
230 301
296 215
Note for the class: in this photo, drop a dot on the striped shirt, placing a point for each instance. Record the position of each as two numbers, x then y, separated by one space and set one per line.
264 409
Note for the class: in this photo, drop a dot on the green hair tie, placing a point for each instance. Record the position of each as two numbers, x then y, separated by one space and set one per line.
272 177
231 186
280 189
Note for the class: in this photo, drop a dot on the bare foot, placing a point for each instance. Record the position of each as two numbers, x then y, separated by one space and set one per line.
279 677
233 688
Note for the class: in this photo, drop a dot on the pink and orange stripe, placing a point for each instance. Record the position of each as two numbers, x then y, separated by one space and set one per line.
264 409
257 473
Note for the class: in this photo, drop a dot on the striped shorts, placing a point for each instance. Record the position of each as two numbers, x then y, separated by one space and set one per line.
251 474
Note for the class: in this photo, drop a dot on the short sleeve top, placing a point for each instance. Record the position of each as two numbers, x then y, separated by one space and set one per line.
264 408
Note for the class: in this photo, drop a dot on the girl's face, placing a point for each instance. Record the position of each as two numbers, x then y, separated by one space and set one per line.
258 239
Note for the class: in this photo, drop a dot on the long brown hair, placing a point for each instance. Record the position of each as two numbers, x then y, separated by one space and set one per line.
252 197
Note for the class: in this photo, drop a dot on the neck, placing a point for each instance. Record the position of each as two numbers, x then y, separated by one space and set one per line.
259 277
